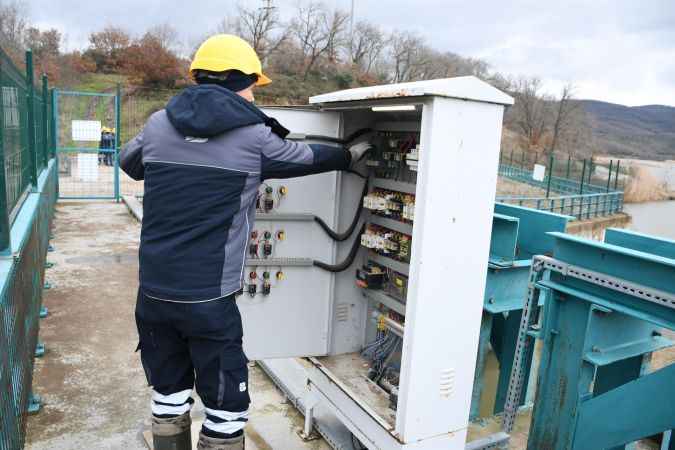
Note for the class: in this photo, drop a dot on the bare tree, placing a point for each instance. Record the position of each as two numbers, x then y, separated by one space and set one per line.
318 32
366 46
408 54
529 114
566 117
260 26
13 25
166 36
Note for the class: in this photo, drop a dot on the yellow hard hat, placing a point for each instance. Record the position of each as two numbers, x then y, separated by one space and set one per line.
228 52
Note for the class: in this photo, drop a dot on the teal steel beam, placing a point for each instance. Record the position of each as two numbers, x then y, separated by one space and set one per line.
655 271
637 409
641 242
609 177
504 340
504 239
533 228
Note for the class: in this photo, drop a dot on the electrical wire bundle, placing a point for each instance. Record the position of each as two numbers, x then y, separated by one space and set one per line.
380 351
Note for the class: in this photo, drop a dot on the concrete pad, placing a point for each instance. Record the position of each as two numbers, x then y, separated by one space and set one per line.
90 379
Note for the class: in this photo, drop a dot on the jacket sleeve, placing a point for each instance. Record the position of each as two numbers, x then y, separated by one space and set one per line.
131 158
281 158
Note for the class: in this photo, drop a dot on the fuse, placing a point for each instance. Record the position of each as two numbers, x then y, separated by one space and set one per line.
252 289
266 288
280 275
281 235
253 250
267 249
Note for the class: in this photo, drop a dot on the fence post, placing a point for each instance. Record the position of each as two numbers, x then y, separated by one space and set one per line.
511 162
609 177
569 161
590 169
5 242
30 100
52 124
522 162
45 123
616 176
550 175
118 138
583 176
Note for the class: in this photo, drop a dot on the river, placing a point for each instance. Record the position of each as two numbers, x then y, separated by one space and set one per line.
655 218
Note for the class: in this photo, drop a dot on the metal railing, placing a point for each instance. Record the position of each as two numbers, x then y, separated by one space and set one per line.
579 188
582 206
28 187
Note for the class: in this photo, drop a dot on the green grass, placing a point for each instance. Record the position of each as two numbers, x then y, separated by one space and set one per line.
98 82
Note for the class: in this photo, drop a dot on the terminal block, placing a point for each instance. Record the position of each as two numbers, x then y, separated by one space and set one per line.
387 242
391 204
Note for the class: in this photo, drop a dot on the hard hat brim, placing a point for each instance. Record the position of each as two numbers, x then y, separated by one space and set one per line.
263 80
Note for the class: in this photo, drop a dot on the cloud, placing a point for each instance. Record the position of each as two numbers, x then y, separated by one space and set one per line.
621 51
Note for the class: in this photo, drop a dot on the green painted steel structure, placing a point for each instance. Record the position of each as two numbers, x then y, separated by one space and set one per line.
517 235
605 305
28 185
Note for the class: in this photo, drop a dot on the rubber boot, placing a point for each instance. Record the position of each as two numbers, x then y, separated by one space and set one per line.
172 433
209 443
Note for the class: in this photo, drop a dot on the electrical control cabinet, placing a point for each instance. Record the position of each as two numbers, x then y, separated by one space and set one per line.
364 290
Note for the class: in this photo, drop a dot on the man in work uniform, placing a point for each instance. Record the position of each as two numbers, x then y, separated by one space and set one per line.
203 159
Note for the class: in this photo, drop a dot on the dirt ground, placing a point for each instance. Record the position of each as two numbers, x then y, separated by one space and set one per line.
92 385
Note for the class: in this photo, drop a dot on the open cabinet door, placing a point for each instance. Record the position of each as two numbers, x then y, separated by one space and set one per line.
293 319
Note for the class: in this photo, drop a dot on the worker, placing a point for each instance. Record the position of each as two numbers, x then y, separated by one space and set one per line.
203 159
102 145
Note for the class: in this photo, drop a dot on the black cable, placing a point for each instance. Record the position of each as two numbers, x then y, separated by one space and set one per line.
335 140
339 237
348 260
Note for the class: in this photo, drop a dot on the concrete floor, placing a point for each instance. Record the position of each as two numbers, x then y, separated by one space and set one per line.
91 381
92 385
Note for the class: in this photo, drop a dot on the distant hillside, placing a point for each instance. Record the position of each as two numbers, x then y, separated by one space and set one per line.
645 132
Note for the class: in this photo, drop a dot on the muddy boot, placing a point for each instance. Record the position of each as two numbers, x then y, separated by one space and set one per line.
209 443
172 433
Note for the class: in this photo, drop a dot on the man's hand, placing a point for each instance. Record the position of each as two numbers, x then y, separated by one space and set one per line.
358 151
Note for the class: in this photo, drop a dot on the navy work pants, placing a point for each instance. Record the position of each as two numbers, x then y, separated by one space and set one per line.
184 345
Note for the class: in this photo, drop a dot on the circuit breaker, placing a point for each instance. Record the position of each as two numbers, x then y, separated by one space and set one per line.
364 289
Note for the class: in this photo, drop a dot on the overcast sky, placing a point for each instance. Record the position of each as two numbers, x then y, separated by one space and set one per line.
621 51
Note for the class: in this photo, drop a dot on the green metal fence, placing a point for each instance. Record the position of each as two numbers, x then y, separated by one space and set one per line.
583 188
28 191
87 143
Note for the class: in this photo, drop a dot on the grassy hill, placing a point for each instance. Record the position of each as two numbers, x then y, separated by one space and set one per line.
645 132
